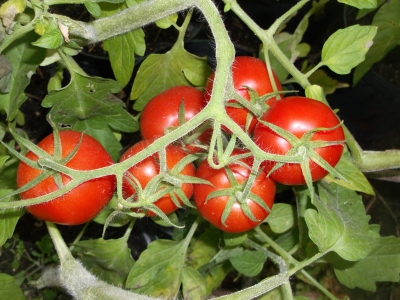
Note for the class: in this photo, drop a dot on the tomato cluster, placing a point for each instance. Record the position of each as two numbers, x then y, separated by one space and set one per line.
286 126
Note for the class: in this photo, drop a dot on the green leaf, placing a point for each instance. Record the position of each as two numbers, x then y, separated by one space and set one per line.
234 239
162 279
9 9
8 289
363 12
321 78
45 245
168 21
25 58
346 48
52 37
249 263
381 264
8 175
282 217
360 3
355 178
94 127
5 74
88 103
193 284
122 48
8 219
340 223
162 71
93 8
204 248
55 82
201 251
387 38
284 41
110 260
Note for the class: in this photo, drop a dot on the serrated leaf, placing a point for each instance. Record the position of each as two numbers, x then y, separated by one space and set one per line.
193 284
122 48
360 3
8 220
162 71
88 102
381 264
249 263
387 38
162 279
282 217
25 58
110 260
356 180
321 78
340 223
8 289
346 48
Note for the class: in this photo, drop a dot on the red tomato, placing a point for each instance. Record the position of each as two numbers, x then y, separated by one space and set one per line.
299 115
213 208
162 111
145 170
82 203
247 72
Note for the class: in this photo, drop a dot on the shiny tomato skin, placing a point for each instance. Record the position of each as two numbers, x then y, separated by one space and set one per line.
249 72
298 115
82 203
162 111
145 170
212 210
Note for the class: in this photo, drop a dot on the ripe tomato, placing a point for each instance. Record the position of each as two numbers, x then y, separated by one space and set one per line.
162 111
82 203
247 72
299 115
145 170
212 209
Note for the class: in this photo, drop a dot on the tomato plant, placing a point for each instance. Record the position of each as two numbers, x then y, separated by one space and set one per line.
317 238
247 73
301 117
139 176
241 215
84 202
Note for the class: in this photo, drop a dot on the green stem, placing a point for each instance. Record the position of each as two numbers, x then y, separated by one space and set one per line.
318 285
266 285
135 17
267 39
62 250
79 236
302 264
